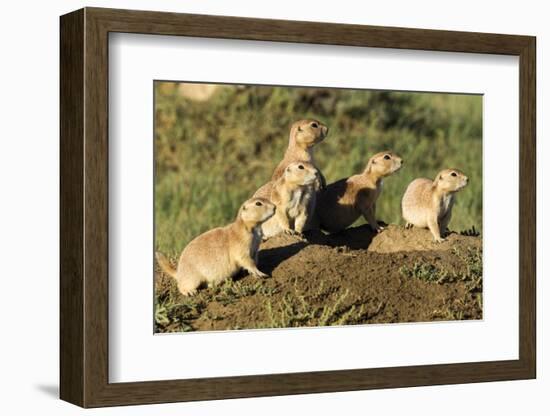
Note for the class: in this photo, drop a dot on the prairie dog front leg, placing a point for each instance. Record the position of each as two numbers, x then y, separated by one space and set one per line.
369 215
247 263
373 209
320 182
444 222
300 222
304 218
433 225
284 223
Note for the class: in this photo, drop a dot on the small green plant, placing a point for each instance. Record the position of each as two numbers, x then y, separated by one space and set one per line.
472 259
471 272
425 271
296 309
161 314
174 313
479 299
230 292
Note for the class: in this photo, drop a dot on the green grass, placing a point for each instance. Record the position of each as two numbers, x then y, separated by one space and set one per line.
471 271
299 309
424 271
213 155
230 292
295 310
175 313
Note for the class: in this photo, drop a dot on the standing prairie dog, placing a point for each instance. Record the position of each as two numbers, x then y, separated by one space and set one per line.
291 194
219 253
304 134
342 202
429 204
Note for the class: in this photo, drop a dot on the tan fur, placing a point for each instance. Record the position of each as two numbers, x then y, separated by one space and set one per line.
292 194
219 253
429 204
304 135
344 201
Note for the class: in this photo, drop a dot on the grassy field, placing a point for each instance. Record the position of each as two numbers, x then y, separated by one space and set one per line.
212 155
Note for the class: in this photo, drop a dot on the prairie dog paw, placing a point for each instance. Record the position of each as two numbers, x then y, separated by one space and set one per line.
260 274
301 237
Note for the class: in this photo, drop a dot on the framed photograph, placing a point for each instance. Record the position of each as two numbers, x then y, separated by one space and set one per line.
262 207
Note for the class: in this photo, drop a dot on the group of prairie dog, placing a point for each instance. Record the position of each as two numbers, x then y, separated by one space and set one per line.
297 199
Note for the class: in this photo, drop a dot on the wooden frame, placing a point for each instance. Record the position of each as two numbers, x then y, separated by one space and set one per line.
84 207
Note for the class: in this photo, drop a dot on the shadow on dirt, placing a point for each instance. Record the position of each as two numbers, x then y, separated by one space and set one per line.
356 238
270 258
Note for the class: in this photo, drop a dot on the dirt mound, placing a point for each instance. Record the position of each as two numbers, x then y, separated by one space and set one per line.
354 277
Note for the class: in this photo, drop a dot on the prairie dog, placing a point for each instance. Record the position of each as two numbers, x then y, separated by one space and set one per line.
219 253
292 194
342 202
429 204
304 134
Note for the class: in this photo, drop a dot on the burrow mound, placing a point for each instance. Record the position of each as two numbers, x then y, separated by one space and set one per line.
354 277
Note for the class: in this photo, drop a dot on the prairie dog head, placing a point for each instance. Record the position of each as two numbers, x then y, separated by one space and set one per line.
307 133
384 164
450 180
300 173
256 211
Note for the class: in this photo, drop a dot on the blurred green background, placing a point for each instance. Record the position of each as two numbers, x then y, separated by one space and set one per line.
216 144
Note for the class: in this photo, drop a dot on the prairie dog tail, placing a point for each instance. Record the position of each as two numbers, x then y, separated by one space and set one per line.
165 264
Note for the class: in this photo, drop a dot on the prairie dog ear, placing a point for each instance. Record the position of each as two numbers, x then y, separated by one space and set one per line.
299 128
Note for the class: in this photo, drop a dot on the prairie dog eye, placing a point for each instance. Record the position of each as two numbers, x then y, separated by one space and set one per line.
258 204
300 166
387 157
314 125
453 174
